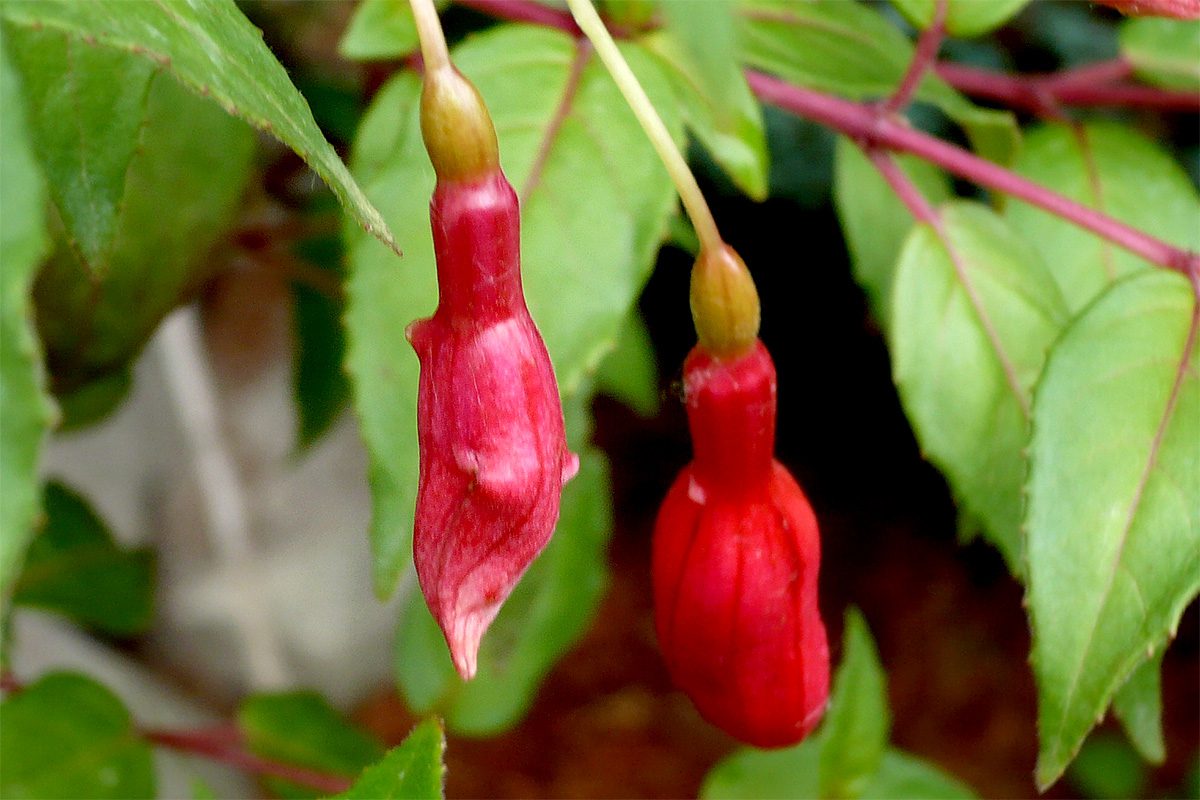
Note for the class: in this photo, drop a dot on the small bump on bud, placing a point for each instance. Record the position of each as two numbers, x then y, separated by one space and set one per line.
724 303
457 129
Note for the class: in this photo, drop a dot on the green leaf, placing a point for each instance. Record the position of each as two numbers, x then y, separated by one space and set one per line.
550 608
874 221
1114 501
414 769
68 736
212 48
629 372
1115 170
1163 51
142 201
1138 705
854 735
319 381
788 774
1107 767
698 48
971 325
852 50
380 29
902 777
963 17
300 728
594 209
75 568
24 407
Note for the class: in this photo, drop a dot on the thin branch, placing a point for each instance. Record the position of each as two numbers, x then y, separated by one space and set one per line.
224 745
904 188
1072 88
429 32
923 58
525 11
865 125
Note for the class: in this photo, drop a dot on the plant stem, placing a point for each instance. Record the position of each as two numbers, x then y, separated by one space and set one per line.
1037 93
867 126
685 183
863 122
923 58
224 745
904 188
429 30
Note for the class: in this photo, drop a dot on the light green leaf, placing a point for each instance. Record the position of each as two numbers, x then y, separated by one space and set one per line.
75 568
1165 52
903 777
1138 705
24 407
300 728
854 735
212 48
699 52
414 770
789 774
132 233
852 50
629 372
1114 501
380 29
594 210
1115 170
970 329
874 221
963 17
67 736
551 606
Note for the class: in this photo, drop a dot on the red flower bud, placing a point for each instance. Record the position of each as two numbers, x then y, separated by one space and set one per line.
736 554
489 420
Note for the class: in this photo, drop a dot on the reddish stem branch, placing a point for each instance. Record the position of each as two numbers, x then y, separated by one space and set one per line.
904 188
224 745
1083 87
866 126
923 58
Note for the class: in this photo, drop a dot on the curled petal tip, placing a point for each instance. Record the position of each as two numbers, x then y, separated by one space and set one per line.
570 466
464 632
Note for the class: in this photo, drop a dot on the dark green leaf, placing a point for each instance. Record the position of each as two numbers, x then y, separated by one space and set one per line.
1138 704
545 614
963 17
319 381
971 325
594 210
212 48
698 48
413 770
1114 501
1117 171
854 735
76 569
67 736
301 729
24 407
1165 52
852 50
133 233
95 400
874 221
629 372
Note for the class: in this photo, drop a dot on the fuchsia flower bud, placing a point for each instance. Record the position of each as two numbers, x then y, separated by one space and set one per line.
736 554
493 449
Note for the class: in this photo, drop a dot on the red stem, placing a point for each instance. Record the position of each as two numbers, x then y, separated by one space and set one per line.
224 744
866 126
1083 87
922 59
904 188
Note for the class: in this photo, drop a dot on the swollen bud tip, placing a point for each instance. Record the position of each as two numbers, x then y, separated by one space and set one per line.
724 302
457 129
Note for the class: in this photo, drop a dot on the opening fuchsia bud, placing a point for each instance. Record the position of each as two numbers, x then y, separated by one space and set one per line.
490 427
735 562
